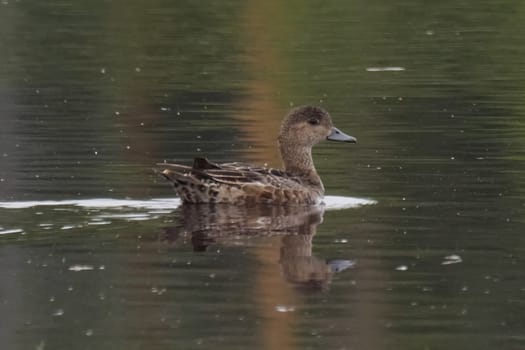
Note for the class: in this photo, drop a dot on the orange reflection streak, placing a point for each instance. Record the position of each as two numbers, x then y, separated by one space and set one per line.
263 119
260 111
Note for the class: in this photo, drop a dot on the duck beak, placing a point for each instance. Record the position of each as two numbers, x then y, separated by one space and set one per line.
338 135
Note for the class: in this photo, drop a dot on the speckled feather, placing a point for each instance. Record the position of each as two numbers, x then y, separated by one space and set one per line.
237 183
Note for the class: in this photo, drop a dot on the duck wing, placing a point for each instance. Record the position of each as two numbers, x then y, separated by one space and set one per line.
238 183
226 173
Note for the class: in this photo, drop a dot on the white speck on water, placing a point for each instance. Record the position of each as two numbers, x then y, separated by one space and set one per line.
67 227
402 268
98 223
340 265
137 69
128 147
284 308
429 32
128 216
58 312
452 259
103 70
96 153
14 230
158 291
385 69
165 109
117 113
160 211
78 268
342 240
89 332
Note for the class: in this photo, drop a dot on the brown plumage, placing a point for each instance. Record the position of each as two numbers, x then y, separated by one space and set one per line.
241 184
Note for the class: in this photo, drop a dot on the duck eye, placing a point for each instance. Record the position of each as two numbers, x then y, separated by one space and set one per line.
313 121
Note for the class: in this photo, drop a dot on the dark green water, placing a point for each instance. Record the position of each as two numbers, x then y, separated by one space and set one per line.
93 94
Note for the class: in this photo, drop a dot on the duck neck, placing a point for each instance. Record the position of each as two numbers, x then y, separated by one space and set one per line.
298 162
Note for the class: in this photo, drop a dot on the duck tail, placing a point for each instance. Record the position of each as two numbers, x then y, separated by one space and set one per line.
188 187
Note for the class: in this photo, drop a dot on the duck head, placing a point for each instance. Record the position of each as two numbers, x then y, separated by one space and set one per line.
306 126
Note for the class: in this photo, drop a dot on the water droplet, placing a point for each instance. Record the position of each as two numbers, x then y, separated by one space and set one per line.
78 268
452 259
284 308
58 312
385 69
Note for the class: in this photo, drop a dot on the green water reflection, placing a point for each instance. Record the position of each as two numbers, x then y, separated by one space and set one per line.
93 94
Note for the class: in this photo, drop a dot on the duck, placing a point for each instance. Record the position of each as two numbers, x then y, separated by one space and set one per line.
298 183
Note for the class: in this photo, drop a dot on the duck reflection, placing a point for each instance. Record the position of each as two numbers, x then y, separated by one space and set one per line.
224 224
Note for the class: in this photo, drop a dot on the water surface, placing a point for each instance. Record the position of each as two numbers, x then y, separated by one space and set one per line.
93 95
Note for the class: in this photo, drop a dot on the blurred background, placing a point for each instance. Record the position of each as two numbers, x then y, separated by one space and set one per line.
94 94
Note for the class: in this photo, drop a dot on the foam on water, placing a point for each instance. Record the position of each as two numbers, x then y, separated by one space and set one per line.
341 202
162 204
99 203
